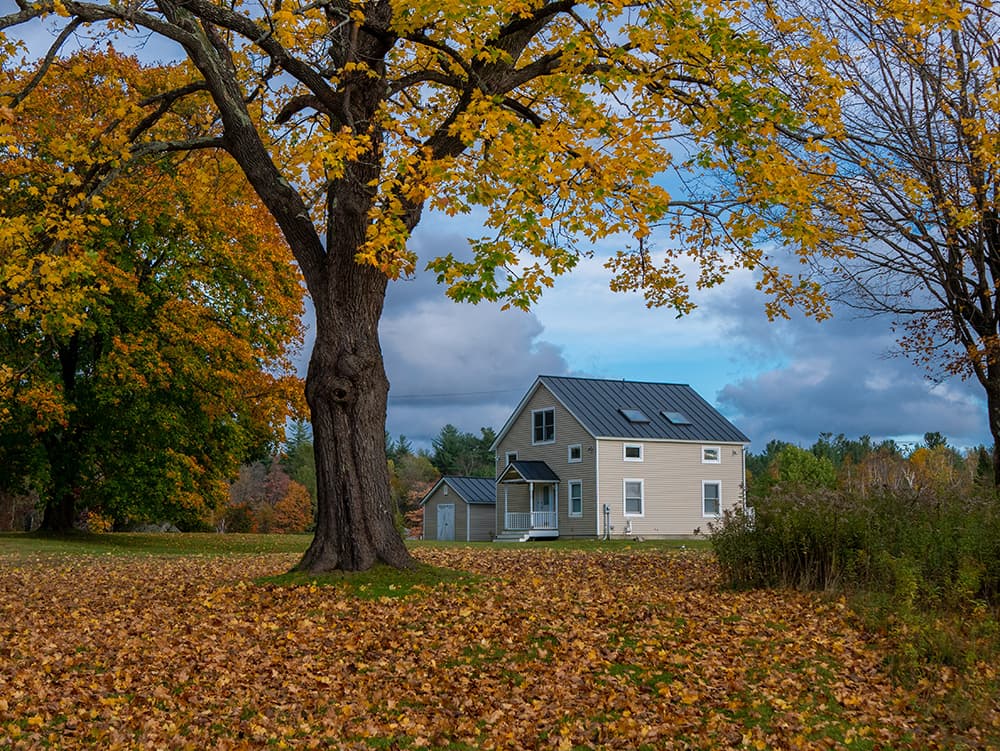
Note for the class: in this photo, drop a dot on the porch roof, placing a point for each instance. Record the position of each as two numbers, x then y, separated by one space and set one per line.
528 471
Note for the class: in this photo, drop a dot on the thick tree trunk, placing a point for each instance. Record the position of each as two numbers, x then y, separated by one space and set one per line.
60 506
63 451
992 386
60 513
347 388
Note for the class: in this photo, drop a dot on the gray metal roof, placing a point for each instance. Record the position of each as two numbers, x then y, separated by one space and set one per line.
531 471
473 489
598 405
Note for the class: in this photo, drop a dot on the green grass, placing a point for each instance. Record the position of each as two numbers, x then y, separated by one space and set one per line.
585 544
377 582
212 544
121 543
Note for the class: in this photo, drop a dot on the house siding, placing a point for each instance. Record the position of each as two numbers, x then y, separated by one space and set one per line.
672 474
473 521
430 513
482 522
568 431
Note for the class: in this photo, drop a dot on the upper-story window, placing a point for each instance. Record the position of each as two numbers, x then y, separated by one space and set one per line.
574 453
511 457
543 425
711 455
633 452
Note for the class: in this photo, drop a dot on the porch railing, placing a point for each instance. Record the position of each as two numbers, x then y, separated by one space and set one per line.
532 520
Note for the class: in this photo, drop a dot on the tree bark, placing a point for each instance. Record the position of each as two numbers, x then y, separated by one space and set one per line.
347 389
59 515
62 448
992 386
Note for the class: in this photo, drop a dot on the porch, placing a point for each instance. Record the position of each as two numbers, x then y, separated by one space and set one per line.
541 517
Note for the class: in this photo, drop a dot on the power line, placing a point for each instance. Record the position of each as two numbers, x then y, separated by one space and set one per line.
393 398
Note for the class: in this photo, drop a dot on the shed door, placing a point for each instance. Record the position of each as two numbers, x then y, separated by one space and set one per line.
446 521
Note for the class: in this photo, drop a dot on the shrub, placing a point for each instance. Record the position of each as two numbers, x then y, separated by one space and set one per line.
919 547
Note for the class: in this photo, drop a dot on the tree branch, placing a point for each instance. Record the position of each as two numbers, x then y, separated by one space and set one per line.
47 61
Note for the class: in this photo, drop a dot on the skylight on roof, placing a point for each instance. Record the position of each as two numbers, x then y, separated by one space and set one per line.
634 415
676 418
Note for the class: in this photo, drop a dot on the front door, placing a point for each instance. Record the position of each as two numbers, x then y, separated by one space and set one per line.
546 501
545 508
446 521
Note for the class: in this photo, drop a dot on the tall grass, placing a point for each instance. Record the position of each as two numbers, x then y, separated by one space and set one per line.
921 547
920 568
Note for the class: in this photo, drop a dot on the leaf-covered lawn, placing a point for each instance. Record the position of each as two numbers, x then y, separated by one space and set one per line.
540 649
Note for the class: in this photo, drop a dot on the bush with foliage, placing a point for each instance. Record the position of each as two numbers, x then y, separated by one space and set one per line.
921 545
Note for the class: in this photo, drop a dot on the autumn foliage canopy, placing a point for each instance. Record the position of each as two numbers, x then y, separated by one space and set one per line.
150 305
557 123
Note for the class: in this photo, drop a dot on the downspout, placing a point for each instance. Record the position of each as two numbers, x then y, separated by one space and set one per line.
743 481
505 486
557 507
597 487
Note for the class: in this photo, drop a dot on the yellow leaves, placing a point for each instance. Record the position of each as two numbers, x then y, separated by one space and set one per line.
335 153
582 661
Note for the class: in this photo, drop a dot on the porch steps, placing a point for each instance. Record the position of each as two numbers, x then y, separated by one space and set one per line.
509 536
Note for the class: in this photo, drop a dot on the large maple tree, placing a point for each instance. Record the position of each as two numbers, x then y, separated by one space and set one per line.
150 304
554 120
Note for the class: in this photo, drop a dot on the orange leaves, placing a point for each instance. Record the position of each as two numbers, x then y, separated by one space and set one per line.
544 650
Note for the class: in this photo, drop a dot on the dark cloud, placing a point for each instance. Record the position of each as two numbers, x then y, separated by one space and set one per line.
838 376
456 363
460 364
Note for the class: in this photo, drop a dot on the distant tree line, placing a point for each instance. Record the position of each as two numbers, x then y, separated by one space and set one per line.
863 465
276 494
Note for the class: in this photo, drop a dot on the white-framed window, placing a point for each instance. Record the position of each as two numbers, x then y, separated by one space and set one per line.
632 452
633 492
543 425
575 491
511 457
711 498
574 453
711 455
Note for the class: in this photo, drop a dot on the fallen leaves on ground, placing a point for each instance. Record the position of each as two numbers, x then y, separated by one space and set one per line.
545 649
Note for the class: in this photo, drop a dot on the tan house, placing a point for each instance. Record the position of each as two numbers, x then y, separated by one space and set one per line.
583 457
460 508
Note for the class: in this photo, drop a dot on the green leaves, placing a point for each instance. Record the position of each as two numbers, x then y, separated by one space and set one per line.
152 305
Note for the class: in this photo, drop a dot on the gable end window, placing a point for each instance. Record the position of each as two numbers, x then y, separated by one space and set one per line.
711 455
711 498
511 457
632 452
574 453
543 425
575 490
633 498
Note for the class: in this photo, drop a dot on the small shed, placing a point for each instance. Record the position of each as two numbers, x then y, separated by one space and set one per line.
460 508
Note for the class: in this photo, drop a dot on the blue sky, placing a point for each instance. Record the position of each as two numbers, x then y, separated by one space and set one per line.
470 365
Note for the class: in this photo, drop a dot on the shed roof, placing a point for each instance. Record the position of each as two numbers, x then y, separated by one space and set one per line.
475 490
